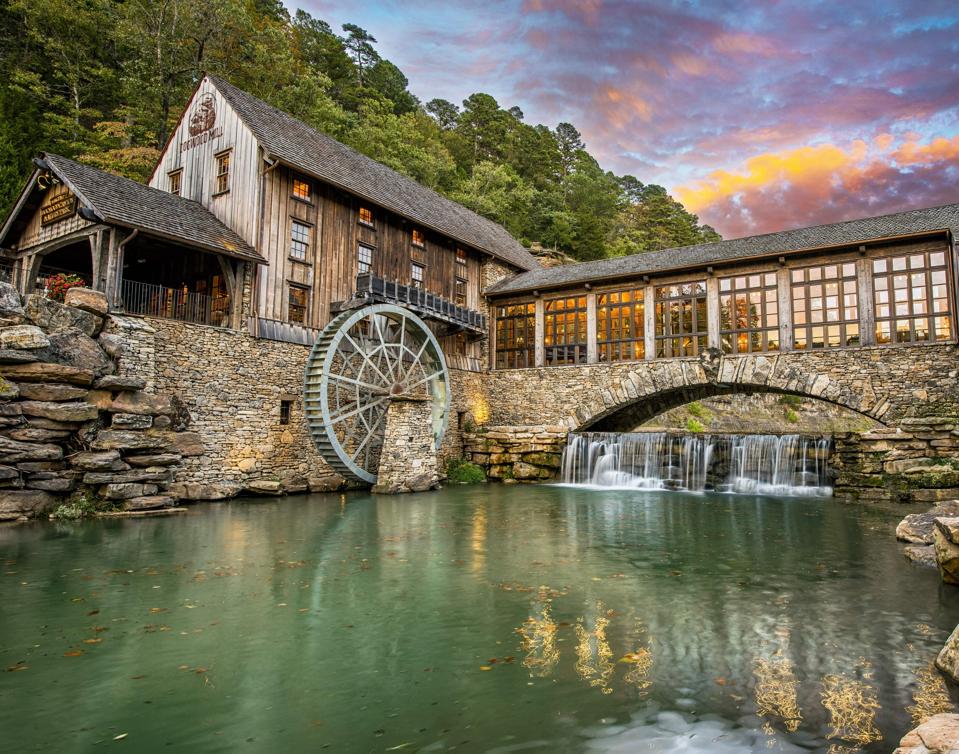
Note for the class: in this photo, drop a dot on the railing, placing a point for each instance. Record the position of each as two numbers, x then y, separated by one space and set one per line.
174 303
6 273
429 305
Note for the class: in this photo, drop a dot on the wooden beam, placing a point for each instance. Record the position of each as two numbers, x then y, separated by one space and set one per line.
649 314
867 310
539 355
713 314
784 298
592 351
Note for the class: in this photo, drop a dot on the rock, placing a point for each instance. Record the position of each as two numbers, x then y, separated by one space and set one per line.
8 356
12 451
264 487
143 403
47 372
11 308
149 474
32 434
155 459
126 490
116 439
198 491
17 503
74 348
525 471
41 423
116 382
115 347
52 392
8 472
61 412
102 399
187 443
31 467
918 527
421 482
148 502
246 465
87 300
325 484
132 421
106 460
8 390
54 317
947 551
23 337
52 484
162 422
938 735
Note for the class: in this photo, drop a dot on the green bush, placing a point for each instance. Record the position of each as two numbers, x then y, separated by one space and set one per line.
81 504
461 471
791 416
694 425
697 409
792 401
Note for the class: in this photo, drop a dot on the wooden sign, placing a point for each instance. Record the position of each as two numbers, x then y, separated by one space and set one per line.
62 207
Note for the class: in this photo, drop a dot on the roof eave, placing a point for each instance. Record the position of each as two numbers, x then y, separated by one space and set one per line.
246 256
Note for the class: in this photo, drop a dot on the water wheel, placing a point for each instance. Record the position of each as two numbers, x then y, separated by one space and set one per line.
364 359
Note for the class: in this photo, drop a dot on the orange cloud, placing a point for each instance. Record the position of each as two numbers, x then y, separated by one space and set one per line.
914 153
619 107
690 64
743 44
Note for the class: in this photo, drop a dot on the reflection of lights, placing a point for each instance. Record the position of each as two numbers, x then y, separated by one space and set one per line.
594 656
478 537
640 660
930 697
776 686
539 642
852 707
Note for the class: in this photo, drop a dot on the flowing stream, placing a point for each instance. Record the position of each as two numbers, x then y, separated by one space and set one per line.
746 464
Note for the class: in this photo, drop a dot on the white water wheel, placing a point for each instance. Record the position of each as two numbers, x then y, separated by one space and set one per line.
363 359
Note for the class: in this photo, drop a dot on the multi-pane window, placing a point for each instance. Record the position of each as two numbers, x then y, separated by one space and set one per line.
620 325
418 239
515 336
299 240
175 178
912 298
459 292
681 320
366 216
417 272
749 313
564 330
825 306
461 256
364 258
301 189
297 304
222 184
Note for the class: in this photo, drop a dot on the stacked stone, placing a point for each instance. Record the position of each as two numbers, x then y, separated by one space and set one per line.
517 454
408 460
68 422
915 462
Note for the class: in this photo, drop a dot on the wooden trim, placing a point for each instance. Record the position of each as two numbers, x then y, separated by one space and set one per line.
592 350
785 299
649 317
713 314
866 301
539 339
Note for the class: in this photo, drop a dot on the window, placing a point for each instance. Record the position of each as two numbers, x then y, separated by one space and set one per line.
461 256
681 320
416 274
418 239
297 304
299 240
175 179
302 190
364 258
564 332
222 184
912 298
749 313
515 336
620 325
366 216
825 306
285 408
459 292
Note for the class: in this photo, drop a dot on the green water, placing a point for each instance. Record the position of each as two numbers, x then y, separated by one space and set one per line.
364 624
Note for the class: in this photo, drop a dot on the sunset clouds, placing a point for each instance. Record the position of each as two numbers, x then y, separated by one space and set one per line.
758 116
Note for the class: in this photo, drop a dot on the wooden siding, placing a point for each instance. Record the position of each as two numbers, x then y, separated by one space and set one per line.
35 234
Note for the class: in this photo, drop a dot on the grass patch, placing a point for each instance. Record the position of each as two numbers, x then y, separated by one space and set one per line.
791 401
694 425
461 471
81 504
791 416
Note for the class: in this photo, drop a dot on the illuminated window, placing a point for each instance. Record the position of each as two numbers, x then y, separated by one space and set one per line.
418 239
825 306
301 189
175 179
564 333
366 216
416 274
461 256
515 336
749 313
364 258
911 296
460 292
299 240
297 304
681 320
222 173
620 325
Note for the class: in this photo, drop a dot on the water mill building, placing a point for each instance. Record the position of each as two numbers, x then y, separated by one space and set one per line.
323 318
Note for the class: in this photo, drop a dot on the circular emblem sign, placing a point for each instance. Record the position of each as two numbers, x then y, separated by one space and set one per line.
204 115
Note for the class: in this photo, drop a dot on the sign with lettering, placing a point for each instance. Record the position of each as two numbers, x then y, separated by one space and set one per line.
202 124
60 208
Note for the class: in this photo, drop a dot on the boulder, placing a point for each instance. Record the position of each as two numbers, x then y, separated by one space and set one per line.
8 390
41 423
142 403
54 317
523 470
325 484
118 439
8 472
132 421
102 399
115 347
105 460
47 372
148 502
187 443
938 735
10 356
23 337
918 527
126 490
12 451
154 459
60 412
116 382
421 482
947 550
87 300
11 308
200 491
19 503
76 349
40 391
948 659
264 487
51 483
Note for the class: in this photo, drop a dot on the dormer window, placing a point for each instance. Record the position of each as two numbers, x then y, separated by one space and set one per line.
302 190
418 239
366 217
174 178
222 184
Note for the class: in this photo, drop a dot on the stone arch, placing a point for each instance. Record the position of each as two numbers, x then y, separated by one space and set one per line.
650 389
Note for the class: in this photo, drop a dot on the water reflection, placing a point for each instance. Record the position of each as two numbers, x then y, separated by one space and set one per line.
538 634
852 705
777 686
593 654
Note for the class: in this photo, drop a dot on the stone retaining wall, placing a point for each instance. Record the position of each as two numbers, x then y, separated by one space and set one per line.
529 453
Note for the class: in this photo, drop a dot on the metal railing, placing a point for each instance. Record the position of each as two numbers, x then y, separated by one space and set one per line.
174 303
429 305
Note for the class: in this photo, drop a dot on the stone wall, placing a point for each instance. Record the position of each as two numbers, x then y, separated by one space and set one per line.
530 453
410 464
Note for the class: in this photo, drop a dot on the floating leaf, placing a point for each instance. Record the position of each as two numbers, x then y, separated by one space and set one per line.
93 612
73 653
18 666
120 737
92 641
485 667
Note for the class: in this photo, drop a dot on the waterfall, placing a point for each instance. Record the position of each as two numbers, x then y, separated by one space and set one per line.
746 464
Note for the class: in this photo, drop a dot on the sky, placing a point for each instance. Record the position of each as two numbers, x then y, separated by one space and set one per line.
758 116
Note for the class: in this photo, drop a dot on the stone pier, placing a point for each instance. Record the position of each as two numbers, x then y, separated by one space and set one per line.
408 461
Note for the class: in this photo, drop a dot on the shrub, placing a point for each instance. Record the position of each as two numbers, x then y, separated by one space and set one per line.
59 284
791 416
461 471
694 425
792 401
81 504
697 409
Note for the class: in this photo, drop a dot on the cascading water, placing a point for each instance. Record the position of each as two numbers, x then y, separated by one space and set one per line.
750 464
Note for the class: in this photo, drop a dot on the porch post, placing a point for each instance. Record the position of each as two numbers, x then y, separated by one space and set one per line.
113 270
592 355
234 286
713 318
649 311
539 356
784 298
867 311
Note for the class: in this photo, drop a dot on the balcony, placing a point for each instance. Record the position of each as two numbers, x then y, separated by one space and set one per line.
149 300
375 290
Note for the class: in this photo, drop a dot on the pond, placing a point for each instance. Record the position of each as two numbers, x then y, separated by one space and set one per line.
488 618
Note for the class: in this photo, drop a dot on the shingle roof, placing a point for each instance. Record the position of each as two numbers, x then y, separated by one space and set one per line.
785 242
321 156
120 201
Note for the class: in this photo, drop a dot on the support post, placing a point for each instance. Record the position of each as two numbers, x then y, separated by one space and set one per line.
111 285
649 312
713 319
867 309
539 355
592 355
784 298
232 279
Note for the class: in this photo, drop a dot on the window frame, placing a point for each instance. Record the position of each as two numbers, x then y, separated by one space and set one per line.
371 223
804 331
512 320
696 340
224 175
307 245
457 281
299 179
414 233
615 315
419 284
286 411
305 289
178 176
568 323
737 338
928 270
360 263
